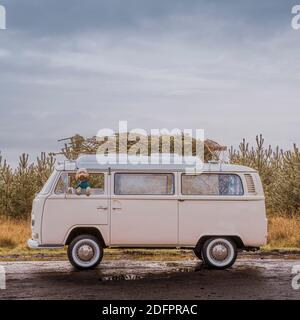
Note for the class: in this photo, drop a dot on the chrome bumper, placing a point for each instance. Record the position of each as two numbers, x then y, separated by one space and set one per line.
32 244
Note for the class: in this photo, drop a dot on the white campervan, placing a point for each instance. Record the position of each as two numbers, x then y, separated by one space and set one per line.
215 213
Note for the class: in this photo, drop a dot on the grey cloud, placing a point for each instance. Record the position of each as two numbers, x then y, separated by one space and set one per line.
231 68
56 17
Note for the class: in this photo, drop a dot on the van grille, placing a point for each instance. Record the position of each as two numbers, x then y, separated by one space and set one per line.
250 184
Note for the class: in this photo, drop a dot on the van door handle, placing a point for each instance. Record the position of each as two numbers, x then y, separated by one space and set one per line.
102 208
116 208
180 200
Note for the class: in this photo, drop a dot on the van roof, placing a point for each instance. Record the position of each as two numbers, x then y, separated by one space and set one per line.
175 163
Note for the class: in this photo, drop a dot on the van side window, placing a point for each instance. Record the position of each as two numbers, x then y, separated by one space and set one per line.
212 184
144 183
67 183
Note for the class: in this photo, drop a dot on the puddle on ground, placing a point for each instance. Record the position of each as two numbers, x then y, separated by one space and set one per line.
137 270
147 270
121 277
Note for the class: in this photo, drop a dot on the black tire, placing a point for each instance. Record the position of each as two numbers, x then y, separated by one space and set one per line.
225 252
85 252
198 253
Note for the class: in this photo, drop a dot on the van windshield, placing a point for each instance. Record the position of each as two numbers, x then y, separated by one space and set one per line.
47 187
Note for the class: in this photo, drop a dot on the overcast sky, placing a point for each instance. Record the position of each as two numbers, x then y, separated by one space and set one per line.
66 67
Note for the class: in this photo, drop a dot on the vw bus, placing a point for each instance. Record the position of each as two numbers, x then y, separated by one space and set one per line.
214 213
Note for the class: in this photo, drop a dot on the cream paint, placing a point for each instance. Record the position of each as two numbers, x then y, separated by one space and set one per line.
155 221
62 213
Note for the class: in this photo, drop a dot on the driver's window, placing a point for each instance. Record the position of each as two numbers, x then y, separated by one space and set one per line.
67 184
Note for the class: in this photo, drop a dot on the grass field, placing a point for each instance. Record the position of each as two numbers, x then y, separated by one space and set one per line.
283 234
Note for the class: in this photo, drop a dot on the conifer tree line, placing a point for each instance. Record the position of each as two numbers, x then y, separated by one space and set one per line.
279 171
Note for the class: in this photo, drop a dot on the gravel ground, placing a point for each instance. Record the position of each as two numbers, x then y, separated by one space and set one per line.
250 278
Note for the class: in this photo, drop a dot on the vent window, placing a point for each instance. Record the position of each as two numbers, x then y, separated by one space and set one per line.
250 184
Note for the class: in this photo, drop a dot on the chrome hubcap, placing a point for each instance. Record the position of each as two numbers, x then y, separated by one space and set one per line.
219 252
85 252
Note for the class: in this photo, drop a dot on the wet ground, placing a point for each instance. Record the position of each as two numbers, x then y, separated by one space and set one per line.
250 278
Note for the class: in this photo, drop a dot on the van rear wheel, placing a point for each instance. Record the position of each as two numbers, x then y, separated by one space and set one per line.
219 253
85 252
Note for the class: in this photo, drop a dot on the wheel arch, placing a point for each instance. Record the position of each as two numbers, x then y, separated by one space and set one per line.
79 230
237 240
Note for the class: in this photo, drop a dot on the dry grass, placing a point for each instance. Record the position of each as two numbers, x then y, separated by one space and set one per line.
13 242
14 233
283 234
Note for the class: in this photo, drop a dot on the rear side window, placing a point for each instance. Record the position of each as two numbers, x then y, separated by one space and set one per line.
212 184
144 183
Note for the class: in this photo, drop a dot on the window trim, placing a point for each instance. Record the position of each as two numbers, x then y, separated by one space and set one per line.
145 194
79 196
213 195
52 183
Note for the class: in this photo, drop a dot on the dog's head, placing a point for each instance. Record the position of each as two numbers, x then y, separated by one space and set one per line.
82 174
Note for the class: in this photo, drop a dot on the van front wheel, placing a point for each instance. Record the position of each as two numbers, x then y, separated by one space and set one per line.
219 253
198 253
85 252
